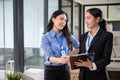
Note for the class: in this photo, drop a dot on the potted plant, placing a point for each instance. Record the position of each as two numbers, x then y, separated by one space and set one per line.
13 75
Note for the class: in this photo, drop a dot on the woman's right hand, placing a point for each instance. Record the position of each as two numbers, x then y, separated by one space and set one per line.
64 59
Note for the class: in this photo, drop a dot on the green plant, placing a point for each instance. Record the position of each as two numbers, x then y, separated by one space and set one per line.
13 75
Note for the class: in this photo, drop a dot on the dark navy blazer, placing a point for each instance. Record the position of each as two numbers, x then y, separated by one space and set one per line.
102 45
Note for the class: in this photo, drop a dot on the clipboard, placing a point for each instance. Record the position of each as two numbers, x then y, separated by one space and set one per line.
82 56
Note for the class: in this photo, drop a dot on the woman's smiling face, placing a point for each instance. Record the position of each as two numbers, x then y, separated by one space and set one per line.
59 21
90 20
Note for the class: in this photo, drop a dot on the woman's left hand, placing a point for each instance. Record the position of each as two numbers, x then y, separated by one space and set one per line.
82 63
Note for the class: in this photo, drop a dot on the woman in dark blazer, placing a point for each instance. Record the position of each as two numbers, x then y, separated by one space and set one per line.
98 41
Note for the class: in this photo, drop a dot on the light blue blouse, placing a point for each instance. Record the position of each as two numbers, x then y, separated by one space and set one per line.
50 43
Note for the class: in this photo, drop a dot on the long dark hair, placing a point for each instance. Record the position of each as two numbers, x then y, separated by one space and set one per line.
65 30
102 24
96 12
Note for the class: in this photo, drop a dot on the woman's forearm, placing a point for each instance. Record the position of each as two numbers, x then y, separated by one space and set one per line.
73 52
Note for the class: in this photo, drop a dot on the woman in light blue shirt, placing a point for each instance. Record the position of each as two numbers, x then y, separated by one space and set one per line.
56 44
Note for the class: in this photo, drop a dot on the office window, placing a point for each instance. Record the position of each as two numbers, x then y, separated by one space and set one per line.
6 36
33 29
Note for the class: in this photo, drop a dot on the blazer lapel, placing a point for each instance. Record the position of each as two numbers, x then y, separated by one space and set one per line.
83 39
95 39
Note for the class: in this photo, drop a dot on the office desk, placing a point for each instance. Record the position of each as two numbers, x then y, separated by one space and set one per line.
36 74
